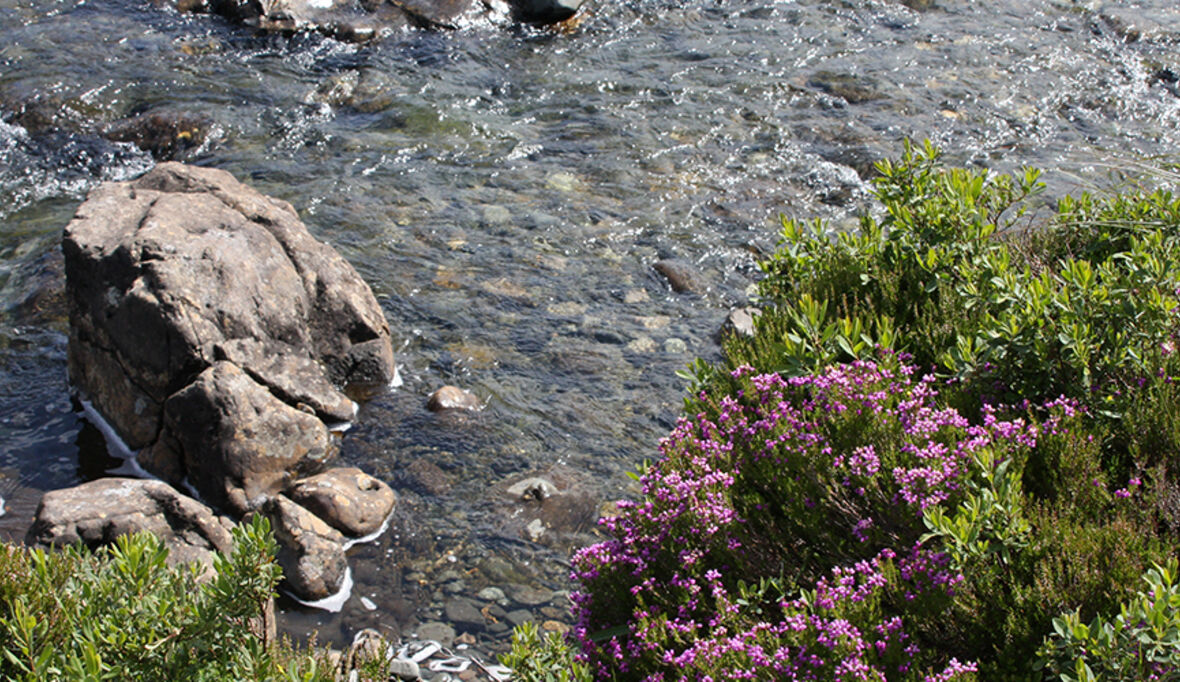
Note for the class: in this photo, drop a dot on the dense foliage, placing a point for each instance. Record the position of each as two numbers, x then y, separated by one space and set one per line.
122 614
950 444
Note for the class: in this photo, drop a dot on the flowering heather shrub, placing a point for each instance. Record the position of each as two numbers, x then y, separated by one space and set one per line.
811 486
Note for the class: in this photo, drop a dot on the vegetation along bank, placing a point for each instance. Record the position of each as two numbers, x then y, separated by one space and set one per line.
947 453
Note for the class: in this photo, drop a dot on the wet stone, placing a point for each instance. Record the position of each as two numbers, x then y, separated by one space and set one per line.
425 476
520 617
532 488
849 87
529 596
740 321
675 346
496 215
553 612
492 594
439 632
452 398
465 615
682 276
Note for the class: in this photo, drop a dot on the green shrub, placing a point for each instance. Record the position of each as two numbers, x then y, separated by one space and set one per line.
1141 643
122 614
1079 307
543 658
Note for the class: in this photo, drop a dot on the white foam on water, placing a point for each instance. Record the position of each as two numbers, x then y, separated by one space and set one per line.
332 603
371 536
115 445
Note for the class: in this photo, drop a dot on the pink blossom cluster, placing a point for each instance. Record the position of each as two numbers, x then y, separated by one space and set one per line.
860 450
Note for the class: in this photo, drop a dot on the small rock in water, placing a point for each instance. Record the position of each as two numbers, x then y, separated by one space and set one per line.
368 604
849 87
491 594
465 615
535 530
452 398
425 476
635 296
439 632
529 596
683 277
740 321
675 346
532 488
562 182
496 215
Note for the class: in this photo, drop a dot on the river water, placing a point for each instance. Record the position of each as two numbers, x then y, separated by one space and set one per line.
505 191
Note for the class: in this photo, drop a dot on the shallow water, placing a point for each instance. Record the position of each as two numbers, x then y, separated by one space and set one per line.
506 191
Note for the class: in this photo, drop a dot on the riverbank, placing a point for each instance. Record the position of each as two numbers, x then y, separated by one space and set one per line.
950 445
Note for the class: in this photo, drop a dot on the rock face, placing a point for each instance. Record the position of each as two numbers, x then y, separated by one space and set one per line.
361 20
310 551
238 444
348 499
98 512
214 334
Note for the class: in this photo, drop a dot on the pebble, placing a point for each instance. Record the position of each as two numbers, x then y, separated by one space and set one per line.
562 182
452 398
682 276
496 215
532 488
465 615
529 596
440 632
520 616
675 346
535 530
740 321
492 594
635 296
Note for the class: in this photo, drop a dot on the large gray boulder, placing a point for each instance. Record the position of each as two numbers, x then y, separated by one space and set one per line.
215 335
186 267
98 512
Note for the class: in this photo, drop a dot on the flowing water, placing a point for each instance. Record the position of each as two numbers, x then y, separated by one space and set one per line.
505 191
